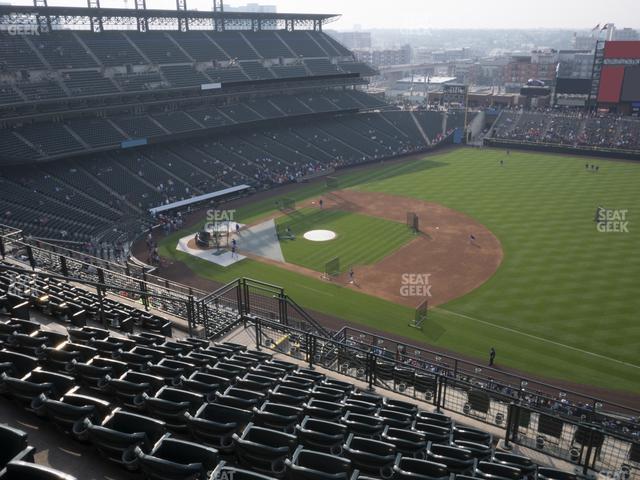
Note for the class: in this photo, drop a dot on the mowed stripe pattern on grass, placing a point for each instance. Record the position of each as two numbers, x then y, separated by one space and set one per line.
561 282
561 278
361 239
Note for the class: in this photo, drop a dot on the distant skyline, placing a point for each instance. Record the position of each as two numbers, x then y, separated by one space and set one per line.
416 14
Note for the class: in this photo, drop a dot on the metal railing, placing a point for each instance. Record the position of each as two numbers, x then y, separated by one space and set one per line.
588 441
545 396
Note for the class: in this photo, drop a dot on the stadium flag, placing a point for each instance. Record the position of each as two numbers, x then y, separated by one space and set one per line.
596 28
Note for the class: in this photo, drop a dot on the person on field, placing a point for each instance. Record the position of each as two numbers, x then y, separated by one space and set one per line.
492 356
351 275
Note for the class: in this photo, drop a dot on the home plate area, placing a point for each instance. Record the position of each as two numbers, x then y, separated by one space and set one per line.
260 240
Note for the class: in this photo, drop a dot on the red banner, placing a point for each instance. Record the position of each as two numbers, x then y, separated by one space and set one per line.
610 84
622 49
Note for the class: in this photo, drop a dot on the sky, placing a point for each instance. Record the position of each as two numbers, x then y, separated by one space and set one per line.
468 13
416 14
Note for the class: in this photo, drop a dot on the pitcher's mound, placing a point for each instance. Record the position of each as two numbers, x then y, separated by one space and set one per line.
320 235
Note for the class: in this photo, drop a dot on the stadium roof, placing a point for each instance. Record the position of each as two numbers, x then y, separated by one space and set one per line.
70 17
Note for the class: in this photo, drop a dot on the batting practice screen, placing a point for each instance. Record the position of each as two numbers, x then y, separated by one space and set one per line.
286 204
332 267
413 221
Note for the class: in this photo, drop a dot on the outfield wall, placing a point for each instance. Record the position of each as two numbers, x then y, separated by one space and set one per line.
565 149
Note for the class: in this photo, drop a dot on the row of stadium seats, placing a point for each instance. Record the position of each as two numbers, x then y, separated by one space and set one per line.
75 135
92 82
78 199
569 129
177 408
71 50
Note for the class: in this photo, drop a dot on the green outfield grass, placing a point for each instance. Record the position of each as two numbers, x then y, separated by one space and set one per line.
361 239
564 302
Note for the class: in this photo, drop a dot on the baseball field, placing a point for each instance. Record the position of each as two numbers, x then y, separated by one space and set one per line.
555 292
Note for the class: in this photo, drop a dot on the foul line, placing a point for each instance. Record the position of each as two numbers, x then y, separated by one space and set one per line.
537 338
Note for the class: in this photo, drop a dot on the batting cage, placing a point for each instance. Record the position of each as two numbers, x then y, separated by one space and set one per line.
286 204
420 315
331 268
413 222
331 182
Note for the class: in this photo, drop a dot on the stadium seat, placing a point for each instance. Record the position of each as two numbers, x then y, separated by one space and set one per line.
29 471
72 409
97 372
479 451
15 364
409 443
264 449
525 464
173 459
457 460
202 383
277 416
472 435
27 389
435 419
359 407
406 468
121 432
171 404
371 457
288 396
553 474
310 465
433 433
396 419
497 471
239 398
14 447
363 425
321 409
321 435
131 386
215 424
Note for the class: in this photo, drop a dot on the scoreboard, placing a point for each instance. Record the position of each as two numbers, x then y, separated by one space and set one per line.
454 93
